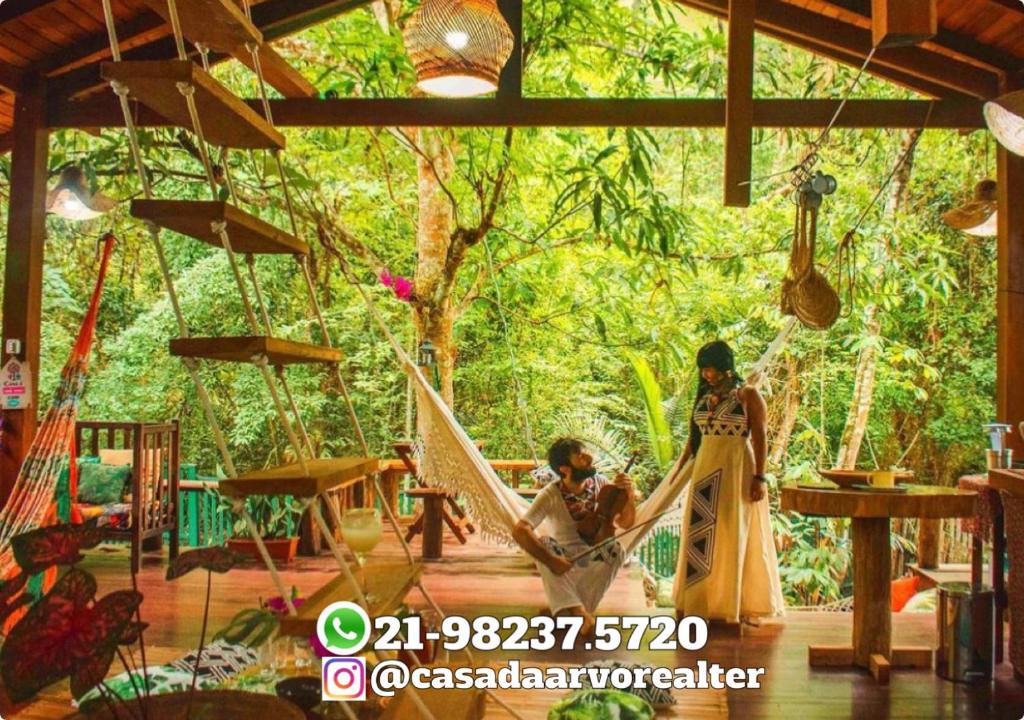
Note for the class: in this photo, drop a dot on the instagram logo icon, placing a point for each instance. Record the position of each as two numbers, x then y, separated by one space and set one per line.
344 679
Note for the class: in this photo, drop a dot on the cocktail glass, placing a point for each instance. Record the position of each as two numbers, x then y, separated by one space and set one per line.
361 529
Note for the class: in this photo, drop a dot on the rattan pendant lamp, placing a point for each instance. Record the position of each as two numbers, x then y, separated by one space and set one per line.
977 216
1005 118
72 199
458 46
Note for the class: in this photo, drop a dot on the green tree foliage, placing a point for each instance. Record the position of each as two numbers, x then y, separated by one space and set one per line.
614 253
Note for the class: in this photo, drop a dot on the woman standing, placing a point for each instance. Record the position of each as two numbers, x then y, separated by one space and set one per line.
727 568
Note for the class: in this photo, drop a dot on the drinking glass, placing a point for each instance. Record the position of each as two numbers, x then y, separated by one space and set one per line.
361 529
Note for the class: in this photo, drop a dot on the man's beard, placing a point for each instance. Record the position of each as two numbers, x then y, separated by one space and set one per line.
579 475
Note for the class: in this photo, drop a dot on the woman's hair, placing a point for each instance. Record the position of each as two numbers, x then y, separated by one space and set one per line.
717 355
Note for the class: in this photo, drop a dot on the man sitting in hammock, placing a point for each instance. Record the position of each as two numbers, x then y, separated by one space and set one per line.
573 588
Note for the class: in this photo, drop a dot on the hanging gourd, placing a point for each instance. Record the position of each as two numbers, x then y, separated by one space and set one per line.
806 293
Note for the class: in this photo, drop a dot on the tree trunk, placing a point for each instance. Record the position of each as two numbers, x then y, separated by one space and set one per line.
863 391
433 310
864 381
790 409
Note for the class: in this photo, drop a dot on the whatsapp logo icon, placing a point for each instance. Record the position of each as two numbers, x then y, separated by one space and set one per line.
343 628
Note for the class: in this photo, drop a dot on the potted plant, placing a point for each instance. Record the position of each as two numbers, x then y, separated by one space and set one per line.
276 519
70 633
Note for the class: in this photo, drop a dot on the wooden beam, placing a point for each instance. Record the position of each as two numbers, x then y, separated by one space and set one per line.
14 9
834 38
23 271
103 111
510 84
739 103
945 40
274 18
895 23
12 79
1010 289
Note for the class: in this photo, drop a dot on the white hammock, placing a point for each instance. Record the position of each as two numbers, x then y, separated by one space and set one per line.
451 460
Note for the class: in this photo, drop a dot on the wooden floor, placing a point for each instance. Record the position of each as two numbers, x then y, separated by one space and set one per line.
479 578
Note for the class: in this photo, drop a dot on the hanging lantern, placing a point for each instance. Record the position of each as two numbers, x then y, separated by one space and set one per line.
427 355
977 217
458 46
1005 118
71 198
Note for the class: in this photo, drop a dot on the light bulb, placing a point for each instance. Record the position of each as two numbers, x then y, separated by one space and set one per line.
989 228
456 39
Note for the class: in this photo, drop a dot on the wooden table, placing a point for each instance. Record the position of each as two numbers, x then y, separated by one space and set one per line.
871 645
430 521
1011 483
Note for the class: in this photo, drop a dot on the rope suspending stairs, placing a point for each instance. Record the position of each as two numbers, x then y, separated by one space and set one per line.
162 85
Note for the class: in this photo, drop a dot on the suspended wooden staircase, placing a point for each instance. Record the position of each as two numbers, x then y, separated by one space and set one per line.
187 96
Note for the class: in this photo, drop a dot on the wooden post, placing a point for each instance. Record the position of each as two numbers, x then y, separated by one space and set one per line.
23 274
872 567
903 22
929 543
1010 290
739 103
510 84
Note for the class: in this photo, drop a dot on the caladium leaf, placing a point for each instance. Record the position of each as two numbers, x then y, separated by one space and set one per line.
45 547
65 634
213 559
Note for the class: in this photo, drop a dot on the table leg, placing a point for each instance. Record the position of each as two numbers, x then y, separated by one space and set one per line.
433 527
999 579
872 570
929 543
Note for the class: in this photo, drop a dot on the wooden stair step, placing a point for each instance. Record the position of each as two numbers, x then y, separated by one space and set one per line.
246 348
219 24
227 121
320 476
195 218
279 73
386 583
224 28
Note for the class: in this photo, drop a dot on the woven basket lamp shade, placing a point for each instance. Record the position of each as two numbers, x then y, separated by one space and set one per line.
978 216
458 46
1005 118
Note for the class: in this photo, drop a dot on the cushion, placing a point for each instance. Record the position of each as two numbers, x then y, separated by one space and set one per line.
657 697
923 602
117 457
100 484
902 590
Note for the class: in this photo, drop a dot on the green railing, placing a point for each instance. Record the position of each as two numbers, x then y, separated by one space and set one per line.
659 552
203 522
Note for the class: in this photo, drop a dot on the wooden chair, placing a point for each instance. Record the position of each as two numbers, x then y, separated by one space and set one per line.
155 468
452 513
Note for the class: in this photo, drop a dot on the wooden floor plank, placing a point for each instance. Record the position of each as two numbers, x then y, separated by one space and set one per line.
483 579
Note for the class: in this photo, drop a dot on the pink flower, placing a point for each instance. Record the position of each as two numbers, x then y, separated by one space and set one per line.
317 647
277 605
385 278
403 288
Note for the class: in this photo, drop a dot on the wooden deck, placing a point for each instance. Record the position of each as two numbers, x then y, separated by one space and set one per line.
478 578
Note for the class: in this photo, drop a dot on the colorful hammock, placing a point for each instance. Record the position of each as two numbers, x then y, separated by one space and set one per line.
34 500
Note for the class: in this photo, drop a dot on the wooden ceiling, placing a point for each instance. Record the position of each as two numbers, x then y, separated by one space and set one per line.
980 41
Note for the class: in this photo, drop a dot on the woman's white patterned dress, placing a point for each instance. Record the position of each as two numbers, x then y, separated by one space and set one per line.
727 566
